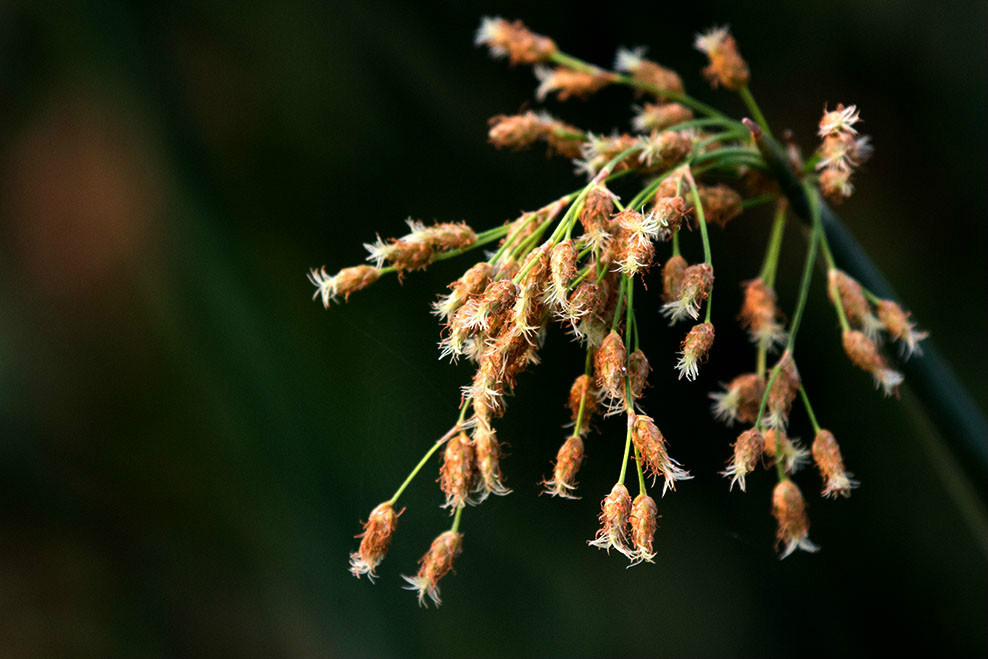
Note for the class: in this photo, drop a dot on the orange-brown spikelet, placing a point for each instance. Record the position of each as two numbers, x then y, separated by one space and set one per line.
597 151
473 282
897 324
652 450
697 282
598 206
435 565
568 461
853 301
644 521
648 73
740 399
673 273
721 203
835 184
569 83
562 271
864 354
779 447
830 462
375 540
695 348
609 366
783 392
638 370
457 472
760 314
726 65
487 452
614 517
661 116
514 40
789 510
344 282
515 131
662 150
582 393
747 450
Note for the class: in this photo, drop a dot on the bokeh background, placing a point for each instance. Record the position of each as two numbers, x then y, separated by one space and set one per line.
189 442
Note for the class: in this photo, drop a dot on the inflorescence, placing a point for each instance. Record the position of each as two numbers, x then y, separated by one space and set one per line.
576 261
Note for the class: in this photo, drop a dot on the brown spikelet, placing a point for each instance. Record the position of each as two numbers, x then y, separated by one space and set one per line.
643 522
726 66
638 370
695 348
748 448
721 203
614 517
783 392
583 392
740 399
375 540
568 461
789 510
514 40
609 366
515 131
852 299
780 448
435 565
864 354
672 278
898 324
570 83
457 472
652 450
760 314
344 282
661 116
830 462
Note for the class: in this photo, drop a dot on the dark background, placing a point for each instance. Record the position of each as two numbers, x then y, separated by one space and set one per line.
188 442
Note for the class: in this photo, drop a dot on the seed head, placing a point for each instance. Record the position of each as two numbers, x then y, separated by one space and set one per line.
779 447
721 203
487 452
344 282
864 354
826 454
789 510
648 72
514 40
515 131
609 365
897 323
839 121
375 540
457 472
597 151
695 348
740 399
836 184
663 150
562 271
614 517
673 273
783 392
651 447
583 392
473 282
747 450
852 299
568 83
644 521
435 565
726 65
638 370
598 206
760 314
660 116
568 461
633 243
697 281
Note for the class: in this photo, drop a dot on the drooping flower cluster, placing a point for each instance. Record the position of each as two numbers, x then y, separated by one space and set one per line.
575 263
841 151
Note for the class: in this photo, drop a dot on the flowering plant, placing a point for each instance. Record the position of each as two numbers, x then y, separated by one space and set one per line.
576 262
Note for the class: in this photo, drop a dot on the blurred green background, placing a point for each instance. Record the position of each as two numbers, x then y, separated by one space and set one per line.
189 442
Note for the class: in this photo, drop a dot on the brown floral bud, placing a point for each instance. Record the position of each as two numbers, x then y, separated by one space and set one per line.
568 461
697 282
457 472
853 301
721 203
376 538
435 565
515 131
661 116
783 392
726 65
826 454
609 365
789 510
740 400
597 151
582 393
779 447
748 448
651 447
445 236
487 452
695 348
598 206
495 304
567 82
836 185
407 254
614 517
864 354
760 314
473 282
644 521
664 150
648 72
671 211
344 282
897 324
638 370
562 269
515 41
673 273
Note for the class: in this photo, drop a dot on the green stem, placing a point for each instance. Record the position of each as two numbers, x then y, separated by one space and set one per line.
456 520
752 106
617 308
771 261
583 399
627 453
804 284
809 408
675 242
428 454
758 201
641 473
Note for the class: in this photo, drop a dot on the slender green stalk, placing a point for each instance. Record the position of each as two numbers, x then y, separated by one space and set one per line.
771 261
428 454
752 106
809 408
627 454
675 242
617 308
758 201
701 220
456 519
583 399
641 473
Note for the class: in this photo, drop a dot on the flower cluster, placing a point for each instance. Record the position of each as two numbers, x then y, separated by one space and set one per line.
575 264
